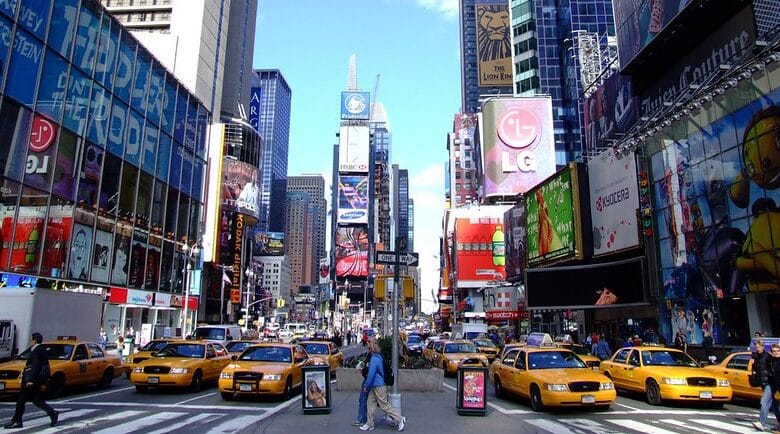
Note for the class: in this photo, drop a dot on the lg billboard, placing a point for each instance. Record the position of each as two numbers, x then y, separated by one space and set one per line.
353 149
517 144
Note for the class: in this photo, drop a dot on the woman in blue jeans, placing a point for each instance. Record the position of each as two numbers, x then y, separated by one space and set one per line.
363 399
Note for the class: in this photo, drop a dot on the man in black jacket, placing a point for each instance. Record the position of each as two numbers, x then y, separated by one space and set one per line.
761 368
35 375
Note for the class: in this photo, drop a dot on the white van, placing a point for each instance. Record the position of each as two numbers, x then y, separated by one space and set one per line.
293 330
221 334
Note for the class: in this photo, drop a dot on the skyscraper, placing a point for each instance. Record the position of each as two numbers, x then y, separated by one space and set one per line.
314 185
301 210
274 128
382 143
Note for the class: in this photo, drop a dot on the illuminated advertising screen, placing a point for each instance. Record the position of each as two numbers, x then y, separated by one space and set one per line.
355 105
609 111
614 201
351 252
514 235
552 218
353 199
494 47
240 189
582 287
353 149
639 22
517 143
480 247
269 244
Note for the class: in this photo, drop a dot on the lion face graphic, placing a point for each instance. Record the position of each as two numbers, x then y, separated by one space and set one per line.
493 32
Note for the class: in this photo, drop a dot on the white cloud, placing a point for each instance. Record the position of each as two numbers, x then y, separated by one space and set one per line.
427 190
448 8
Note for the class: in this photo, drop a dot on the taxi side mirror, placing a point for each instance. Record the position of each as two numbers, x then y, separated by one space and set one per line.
633 362
153 354
234 357
80 357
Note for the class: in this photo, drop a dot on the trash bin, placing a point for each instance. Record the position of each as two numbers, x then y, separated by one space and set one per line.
315 391
471 397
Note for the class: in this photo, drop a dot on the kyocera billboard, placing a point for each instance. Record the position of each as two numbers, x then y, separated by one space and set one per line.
614 201
353 199
517 144
353 149
479 246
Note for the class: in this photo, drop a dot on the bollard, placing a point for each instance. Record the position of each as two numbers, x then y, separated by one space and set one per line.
394 399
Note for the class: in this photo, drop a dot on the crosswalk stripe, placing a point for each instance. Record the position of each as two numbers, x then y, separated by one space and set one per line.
65 415
589 426
726 426
235 424
688 427
639 426
140 423
185 422
549 425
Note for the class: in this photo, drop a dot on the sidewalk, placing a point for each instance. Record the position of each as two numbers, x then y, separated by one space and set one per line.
425 413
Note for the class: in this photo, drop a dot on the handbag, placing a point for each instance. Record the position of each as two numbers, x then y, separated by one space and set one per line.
754 380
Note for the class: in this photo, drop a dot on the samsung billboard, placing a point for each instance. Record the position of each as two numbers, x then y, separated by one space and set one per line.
353 199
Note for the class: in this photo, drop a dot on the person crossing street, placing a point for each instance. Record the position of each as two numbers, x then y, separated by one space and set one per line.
36 374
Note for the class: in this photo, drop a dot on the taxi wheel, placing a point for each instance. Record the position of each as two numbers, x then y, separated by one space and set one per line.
141 389
197 382
227 396
653 392
127 375
498 387
108 378
287 388
536 399
56 386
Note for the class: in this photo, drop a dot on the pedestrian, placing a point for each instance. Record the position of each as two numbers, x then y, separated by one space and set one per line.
374 385
603 351
680 342
707 346
761 366
774 377
363 398
36 374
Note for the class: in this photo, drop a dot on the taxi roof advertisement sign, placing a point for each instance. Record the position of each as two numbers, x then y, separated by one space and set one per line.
355 105
353 149
517 144
614 201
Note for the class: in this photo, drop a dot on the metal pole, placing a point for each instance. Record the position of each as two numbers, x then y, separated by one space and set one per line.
186 300
222 295
395 314
246 309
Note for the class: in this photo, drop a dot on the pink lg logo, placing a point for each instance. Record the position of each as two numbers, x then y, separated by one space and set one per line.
42 134
519 128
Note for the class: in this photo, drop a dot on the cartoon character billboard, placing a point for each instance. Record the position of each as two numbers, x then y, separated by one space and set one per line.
494 47
517 143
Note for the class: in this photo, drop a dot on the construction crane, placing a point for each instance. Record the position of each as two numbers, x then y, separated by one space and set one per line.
374 99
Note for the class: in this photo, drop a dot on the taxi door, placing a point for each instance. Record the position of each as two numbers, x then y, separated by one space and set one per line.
336 356
504 369
632 377
522 379
618 367
78 370
438 353
213 363
300 358
736 371
97 362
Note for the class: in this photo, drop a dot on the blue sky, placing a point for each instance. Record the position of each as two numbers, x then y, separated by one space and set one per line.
413 45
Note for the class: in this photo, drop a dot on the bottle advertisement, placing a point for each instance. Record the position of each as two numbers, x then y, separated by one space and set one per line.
480 248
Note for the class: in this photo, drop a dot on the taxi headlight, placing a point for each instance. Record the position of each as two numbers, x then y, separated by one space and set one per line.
226 375
138 370
557 387
272 377
179 370
607 386
675 381
723 383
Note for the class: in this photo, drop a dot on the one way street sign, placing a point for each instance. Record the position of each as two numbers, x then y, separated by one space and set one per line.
388 258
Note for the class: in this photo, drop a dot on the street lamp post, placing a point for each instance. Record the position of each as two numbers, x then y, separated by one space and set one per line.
250 276
189 251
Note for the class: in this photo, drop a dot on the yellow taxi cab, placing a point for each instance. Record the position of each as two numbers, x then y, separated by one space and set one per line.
486 347
264 369
322 352
452 354
72 363
736 367
431 348
550 376
237 347
665 374
143 353
181 364
592 361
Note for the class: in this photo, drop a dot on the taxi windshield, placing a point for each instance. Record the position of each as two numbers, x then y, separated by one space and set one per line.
237 346
194 351
154 346
667 358
267 354
460 348
554 360
579 349
53 352
413 339
485 343
316 348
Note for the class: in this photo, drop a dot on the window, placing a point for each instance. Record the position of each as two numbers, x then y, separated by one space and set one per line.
24 67
739 362
621 356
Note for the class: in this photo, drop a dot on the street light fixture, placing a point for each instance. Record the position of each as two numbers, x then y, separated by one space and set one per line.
189 251
250 277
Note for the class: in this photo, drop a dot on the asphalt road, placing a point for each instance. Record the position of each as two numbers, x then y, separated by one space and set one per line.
121 409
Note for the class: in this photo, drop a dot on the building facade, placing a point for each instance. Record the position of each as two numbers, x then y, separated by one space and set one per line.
274 128
277 278
463 176
314 185
301 215
104 160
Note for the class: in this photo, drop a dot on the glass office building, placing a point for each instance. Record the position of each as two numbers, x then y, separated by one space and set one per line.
103 157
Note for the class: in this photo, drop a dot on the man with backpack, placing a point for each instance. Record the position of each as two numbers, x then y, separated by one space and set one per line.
36 374
375 386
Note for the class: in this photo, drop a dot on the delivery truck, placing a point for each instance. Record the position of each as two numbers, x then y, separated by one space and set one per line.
24 311
468 330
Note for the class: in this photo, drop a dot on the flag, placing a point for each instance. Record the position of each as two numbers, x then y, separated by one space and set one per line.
225 278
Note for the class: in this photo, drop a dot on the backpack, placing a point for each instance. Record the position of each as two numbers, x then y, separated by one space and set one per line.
388 372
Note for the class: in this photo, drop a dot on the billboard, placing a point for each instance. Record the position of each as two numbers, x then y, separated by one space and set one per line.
582 287
268 244
552 218
517 144
355 105
494 46
353 199
324 271
255 102
479 246
351 252
501 302
240 189
609 111
514 238
353 149
639 22
614 202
